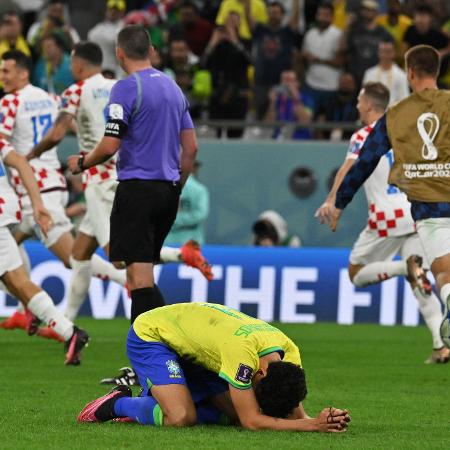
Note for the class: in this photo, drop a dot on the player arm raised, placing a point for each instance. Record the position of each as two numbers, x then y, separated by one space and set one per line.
41 215
54 136
244 401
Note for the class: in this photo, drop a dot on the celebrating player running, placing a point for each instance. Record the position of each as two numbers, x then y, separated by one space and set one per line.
418 131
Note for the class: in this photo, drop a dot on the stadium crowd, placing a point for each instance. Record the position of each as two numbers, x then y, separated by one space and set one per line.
298 61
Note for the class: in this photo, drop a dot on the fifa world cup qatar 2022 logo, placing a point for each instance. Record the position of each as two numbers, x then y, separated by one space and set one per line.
428 127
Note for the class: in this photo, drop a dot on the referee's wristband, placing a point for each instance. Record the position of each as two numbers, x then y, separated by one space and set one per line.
81 163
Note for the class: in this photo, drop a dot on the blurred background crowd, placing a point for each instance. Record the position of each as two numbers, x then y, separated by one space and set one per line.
291 61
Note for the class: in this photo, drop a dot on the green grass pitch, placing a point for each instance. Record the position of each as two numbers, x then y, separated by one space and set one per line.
395 400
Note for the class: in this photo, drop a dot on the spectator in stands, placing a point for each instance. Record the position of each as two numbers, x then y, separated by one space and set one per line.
150 22
396 24
105 33
182 65
227 60
345 13
289 6
257 10
323 58
56 21
342 108
191 27
52 71
271 230
423 32
389 73
363 39
288 103
11 36
192 213
273 48
445 78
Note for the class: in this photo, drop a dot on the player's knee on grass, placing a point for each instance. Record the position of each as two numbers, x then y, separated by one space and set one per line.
180 416
281 390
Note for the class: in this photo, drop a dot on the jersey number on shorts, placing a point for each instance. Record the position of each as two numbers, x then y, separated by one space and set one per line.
41 125
391 188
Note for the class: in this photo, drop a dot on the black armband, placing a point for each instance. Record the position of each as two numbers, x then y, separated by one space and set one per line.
81 163
115 128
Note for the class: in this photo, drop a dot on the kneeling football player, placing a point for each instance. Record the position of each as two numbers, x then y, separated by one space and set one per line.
195 360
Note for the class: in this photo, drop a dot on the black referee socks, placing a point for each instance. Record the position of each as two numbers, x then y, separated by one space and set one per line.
145 299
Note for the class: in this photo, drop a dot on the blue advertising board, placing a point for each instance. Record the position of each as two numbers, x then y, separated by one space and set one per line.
275 284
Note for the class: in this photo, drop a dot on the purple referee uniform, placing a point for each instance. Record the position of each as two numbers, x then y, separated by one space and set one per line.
148 114
147 111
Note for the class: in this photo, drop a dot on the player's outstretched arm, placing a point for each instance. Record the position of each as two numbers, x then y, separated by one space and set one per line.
324 213
41 215
54 136
330 420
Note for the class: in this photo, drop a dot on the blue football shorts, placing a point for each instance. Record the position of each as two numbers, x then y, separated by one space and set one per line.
157 364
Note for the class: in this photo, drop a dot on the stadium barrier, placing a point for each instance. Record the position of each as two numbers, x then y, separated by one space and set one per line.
275 284
245 178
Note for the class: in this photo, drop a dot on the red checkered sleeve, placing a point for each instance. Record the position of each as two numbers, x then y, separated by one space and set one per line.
70 98
9 105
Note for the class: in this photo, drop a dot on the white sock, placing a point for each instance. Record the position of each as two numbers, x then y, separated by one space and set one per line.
445 294
379 271
79 286
106 271
170 255
430 307
42 306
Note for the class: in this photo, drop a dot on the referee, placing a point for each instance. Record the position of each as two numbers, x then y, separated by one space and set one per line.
148 122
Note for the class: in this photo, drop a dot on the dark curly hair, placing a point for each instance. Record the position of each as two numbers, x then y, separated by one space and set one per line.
281 390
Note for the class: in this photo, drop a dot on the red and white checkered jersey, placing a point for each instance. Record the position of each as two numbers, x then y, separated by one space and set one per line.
9 202
25 117
87 101
389 209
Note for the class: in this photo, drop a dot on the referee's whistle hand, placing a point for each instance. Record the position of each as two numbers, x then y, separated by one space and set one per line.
72 164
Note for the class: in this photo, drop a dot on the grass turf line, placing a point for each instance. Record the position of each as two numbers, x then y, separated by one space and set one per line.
377 372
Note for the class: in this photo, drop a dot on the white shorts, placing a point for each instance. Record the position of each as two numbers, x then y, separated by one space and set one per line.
56 203
369 248
10 258
435 236
99 202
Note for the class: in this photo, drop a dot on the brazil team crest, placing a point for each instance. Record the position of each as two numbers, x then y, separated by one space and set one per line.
174 368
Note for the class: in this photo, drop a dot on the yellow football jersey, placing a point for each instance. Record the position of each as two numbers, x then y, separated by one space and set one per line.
216 337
